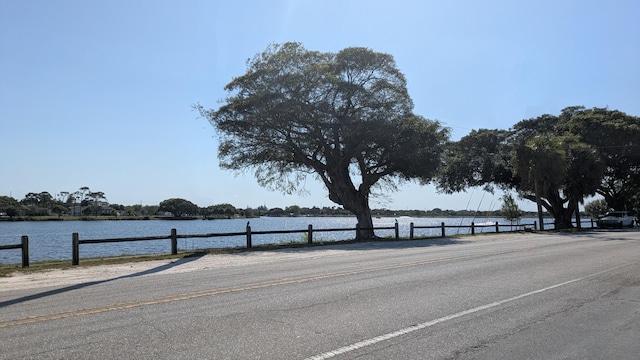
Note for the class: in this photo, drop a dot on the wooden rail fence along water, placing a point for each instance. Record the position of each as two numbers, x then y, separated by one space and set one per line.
473 227
248 234
24 246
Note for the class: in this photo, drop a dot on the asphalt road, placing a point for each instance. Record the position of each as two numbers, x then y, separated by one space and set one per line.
531 296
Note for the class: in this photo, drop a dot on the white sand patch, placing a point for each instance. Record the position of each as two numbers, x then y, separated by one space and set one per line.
82 274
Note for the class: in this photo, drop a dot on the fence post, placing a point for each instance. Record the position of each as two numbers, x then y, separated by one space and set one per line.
397 231
75 251
442 225
358 232
25 250
535 226
592 224
310 234
473 228
248 235
411 231
497 228
174 242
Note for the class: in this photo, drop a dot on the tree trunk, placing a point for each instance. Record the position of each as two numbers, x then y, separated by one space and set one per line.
358 205
561 215
342 192
555 206
577 210
563 220
366 224
539 204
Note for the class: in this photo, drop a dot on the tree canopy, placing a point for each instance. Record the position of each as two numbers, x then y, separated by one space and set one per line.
345 117
178 207
555 161
510 210
9 206
616 136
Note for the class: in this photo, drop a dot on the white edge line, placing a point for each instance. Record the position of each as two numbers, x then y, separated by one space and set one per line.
410 329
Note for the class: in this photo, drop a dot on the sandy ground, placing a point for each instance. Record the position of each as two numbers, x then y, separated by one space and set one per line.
80 274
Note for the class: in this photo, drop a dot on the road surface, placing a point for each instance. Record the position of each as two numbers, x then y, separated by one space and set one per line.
507 296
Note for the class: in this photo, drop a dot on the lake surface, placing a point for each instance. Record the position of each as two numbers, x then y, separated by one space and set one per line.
51 240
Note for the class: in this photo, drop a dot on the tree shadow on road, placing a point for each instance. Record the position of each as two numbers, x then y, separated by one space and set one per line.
601 234
377 244
157 269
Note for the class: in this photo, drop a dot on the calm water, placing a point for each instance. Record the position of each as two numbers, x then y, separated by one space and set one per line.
51 240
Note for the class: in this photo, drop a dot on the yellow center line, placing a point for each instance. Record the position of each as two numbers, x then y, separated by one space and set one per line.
213 292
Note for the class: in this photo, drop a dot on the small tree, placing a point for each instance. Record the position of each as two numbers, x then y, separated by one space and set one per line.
10 206
12 211
59 210
596 208
510 210
293 210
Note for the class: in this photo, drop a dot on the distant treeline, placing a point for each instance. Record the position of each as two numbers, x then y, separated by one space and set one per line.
88 204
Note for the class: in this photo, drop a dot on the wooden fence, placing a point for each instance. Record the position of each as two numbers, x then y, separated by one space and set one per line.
473 227
24 246
248 234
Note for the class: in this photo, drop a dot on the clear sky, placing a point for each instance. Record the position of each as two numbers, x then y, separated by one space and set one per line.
99 93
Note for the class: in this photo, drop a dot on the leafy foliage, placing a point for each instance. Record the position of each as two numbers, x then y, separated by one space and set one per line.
178 207
510 209
596 208
482 158
219 211
555 161
344 117
616 136
9 206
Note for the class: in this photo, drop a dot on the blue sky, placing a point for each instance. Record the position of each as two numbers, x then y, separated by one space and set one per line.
99 93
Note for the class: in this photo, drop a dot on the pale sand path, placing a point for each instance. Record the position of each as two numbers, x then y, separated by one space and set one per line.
78 275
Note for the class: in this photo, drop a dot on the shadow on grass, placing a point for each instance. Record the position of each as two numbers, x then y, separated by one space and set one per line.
181 261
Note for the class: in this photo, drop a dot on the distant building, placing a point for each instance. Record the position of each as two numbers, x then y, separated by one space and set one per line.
75 210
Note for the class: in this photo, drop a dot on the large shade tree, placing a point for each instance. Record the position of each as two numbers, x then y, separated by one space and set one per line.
616 136
480 159
344 117
556 172
537 157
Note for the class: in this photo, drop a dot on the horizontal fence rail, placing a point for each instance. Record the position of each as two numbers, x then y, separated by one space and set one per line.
248 234
473 227
24 246
76 241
